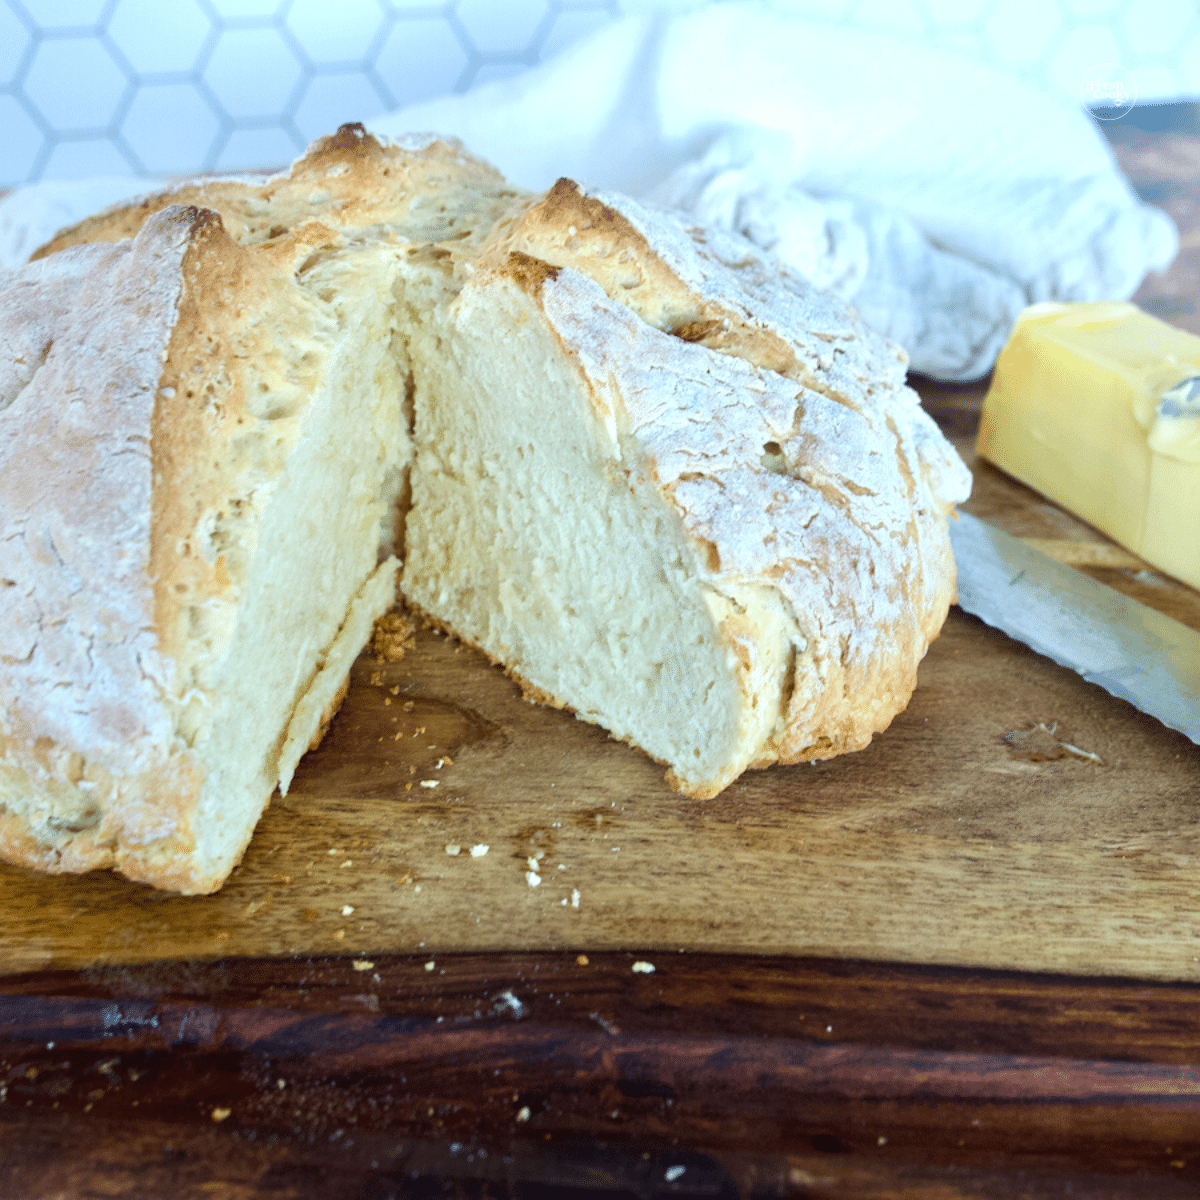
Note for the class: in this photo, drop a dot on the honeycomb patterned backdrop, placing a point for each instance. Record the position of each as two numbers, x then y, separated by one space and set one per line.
164 87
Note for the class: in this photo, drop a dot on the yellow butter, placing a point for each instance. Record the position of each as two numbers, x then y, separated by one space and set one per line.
1079 409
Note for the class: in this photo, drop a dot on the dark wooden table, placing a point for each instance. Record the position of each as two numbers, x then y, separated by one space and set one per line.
561 1072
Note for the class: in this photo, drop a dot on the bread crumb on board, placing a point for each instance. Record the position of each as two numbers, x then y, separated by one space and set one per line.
392 636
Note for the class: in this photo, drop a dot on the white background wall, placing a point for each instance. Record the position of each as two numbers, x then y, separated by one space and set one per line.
152 87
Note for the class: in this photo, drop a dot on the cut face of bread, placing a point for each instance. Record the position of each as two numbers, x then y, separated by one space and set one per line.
567 563
661 482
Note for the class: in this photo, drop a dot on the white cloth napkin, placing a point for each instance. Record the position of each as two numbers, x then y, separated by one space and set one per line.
31 216
937 196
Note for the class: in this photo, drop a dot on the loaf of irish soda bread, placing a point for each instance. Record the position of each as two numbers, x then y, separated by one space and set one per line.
661 481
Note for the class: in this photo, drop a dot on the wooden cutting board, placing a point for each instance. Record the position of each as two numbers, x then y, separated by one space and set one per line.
943 842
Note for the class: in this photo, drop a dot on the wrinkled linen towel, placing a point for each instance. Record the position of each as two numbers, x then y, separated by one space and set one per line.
937 196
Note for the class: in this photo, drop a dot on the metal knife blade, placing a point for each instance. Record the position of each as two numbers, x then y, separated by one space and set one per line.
1127 648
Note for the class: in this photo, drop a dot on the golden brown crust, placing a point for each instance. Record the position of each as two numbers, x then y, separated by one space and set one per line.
568 228
202 408
349 180
530 273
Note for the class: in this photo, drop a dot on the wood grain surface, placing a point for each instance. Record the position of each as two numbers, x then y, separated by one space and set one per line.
762 1076
942 843
960 964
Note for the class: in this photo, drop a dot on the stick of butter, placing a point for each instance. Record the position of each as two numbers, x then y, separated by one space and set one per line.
1098 407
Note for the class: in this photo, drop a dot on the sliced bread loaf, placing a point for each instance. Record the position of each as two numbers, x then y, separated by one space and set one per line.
660 480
